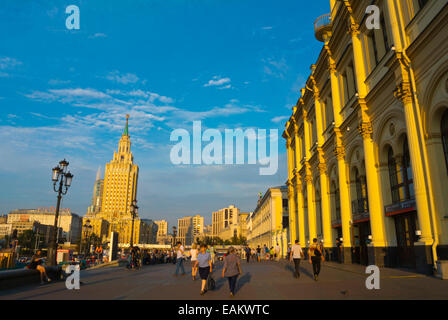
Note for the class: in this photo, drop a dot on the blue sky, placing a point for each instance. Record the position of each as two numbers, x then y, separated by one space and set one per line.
65 93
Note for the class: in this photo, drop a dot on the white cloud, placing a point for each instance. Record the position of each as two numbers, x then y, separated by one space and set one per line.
222 83
126 78
98 35
279 119
8 63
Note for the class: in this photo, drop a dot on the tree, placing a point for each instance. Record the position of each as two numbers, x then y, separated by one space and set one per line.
27 239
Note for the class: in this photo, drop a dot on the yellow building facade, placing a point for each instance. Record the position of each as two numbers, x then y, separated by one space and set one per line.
266 223
367 143
119 189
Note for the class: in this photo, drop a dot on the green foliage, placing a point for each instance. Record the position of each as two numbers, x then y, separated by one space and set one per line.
27 239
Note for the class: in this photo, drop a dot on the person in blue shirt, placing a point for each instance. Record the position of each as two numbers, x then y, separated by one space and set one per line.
204 262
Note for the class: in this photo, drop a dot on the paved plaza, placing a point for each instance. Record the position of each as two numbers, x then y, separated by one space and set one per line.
267 280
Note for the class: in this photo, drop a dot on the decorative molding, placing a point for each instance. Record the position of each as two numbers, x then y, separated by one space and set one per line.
339 152
403 92
365 129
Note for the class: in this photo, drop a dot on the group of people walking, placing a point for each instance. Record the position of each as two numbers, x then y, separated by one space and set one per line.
315 256
264 253
202 262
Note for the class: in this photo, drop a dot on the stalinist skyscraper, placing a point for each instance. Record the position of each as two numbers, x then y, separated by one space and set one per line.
118 192
120 181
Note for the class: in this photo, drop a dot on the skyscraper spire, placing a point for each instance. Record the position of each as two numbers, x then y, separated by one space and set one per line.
126 132
98 174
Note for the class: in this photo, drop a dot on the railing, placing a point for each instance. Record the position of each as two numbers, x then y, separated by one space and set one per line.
360 206
322 22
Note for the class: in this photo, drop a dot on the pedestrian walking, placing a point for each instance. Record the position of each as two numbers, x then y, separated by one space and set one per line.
180 258
212 254
277 252
247 250
194 257
316 256
271 254
295 255
204 262
231 270
258 253
263 253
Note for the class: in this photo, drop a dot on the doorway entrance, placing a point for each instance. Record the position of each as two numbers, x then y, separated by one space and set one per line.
361 232
405 227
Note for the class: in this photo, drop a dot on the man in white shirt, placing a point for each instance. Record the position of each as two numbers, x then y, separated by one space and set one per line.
295 255
180 259
277 252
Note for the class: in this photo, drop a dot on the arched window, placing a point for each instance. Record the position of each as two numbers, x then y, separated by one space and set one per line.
337 201
444 131
393 178
408 179
318 213
361 192
401 178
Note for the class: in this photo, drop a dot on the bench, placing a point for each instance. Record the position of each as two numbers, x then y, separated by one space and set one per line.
10 279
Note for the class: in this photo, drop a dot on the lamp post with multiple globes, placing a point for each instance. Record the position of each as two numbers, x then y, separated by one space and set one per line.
62 176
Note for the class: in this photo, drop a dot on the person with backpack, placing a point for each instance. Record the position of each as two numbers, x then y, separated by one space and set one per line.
231 270
204 262
316 256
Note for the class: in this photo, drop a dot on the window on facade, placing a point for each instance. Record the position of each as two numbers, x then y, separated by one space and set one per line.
385 34
444 131
302 142
293 153
373 49
401 179
329 116
408 179
313 132
337 202
349 83
361 192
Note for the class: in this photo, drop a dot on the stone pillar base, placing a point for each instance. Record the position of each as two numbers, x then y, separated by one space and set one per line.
348 251
423 258
377 256
442 252
331 254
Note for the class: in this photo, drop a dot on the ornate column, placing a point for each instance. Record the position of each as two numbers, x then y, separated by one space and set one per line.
311 204
403 93
325 201
346 212
325 195
365 129
376 211
301 213
292 212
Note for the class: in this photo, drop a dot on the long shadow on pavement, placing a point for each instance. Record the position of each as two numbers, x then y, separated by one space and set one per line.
290 268
242 281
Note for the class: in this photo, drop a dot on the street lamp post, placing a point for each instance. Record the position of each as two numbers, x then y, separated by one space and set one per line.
87 228
64 177
134 212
